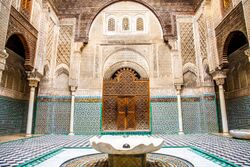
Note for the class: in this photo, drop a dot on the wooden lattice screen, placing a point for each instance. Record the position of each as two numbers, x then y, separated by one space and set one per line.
125 102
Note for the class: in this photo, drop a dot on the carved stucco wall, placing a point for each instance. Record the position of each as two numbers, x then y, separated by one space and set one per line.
147 50
204 47
64 45
19 25
234 21
186 37
85 13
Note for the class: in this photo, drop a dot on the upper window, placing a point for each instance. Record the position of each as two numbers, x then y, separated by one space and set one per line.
125 24
139 24
111 24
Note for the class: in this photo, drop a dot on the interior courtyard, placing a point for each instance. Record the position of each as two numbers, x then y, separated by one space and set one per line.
172 69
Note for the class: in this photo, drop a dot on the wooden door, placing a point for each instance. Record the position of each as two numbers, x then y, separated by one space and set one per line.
125 102
126 113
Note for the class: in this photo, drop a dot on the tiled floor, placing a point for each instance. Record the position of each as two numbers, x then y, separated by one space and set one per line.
20 151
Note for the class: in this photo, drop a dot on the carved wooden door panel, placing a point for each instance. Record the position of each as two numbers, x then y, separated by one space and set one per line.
130 118
126 113
121 113
125 102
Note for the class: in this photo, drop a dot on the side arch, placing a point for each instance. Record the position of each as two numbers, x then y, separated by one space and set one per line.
15 37
62 68
234 41
190 67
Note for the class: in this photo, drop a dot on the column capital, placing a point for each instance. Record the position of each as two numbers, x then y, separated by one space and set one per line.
33 82
219 76
33 78
220 81
247 52
178 87
73 89
79 47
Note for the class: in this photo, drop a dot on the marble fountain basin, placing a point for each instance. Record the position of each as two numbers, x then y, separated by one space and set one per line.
240 133
126 145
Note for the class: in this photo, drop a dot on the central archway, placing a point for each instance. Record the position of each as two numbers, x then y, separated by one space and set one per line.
125 102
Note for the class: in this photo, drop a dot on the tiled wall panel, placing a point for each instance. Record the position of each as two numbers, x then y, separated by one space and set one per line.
164 117
87 118
12 115
192 117
199 115
52 117
238 110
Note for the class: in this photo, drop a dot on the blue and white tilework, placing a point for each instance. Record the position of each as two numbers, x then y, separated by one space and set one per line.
87 118
12 115
164 117
52 117
238 111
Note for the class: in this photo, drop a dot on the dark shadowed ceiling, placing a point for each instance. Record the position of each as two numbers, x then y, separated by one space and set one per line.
75 6
86 10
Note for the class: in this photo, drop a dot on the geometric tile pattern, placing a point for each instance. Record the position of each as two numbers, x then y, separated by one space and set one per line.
52 118
238 112
191 115
200 116
232 150
164 117
64 44
87 118
12 115
187 43
209 114
53 115
21 151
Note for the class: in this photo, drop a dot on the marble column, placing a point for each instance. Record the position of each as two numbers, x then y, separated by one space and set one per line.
180 119
72 110
3 56
220 83
33 81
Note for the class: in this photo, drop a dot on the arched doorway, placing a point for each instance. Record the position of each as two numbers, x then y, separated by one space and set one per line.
125 102
237 83
14 77
14 87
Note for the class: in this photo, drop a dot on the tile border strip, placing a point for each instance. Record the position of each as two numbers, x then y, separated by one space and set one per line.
98 99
